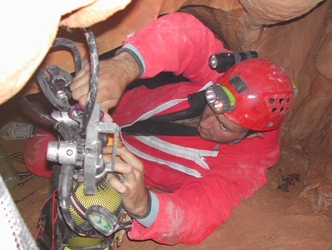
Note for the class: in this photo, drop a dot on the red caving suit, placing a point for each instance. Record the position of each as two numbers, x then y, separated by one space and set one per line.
202 182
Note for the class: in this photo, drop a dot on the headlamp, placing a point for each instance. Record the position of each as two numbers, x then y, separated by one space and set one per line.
220 98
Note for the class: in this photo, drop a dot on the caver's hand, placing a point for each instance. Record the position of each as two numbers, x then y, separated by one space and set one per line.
114 75
135 196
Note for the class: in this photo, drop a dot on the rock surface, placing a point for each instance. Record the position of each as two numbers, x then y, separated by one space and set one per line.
295 34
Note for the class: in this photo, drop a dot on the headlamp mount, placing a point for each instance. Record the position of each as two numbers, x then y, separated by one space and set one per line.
220 98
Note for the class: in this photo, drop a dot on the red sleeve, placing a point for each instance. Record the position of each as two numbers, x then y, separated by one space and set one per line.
177 43
192 212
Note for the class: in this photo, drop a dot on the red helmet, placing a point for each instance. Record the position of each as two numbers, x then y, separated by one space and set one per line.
255 94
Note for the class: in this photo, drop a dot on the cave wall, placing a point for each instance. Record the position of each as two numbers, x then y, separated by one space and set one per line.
295 46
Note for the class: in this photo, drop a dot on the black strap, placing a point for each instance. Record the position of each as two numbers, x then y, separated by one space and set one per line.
151 127
197 104
165 125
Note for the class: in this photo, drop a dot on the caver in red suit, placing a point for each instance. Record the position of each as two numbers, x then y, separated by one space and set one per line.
202 180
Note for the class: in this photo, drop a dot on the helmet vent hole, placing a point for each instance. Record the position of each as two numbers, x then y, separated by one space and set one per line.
274 110
281 100
271 100
282 108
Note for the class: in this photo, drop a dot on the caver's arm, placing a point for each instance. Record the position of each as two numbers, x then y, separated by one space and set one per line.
190 213
177 43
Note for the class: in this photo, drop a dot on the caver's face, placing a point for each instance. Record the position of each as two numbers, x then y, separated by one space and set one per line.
217 128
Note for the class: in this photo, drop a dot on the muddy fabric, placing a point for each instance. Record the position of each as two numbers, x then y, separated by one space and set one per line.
201 185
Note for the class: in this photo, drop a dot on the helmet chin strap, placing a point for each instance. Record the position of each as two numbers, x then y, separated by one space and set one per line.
235 141
247 133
